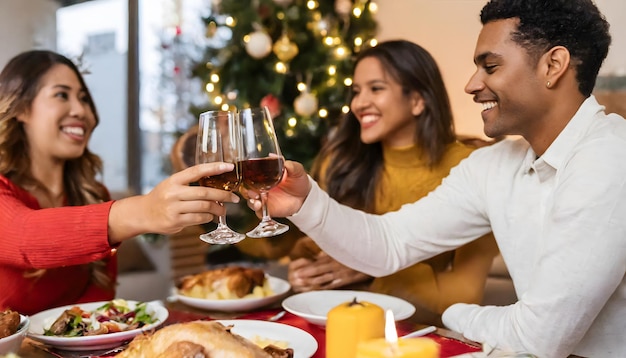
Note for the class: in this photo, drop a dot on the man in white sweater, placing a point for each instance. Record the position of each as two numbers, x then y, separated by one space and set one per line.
555 200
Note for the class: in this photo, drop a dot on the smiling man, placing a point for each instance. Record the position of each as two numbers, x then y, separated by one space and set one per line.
555 199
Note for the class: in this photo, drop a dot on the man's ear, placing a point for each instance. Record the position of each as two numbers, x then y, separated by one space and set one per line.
417 104
555 63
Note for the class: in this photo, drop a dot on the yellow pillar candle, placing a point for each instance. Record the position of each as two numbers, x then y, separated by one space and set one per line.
350 323
403 348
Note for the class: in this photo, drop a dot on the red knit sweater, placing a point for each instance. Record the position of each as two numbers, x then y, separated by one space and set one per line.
61 240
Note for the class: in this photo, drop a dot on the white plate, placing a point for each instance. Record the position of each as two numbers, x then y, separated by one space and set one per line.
44 320
314 306
302 343
279 286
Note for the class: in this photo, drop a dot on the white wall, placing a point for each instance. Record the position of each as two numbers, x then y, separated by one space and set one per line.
26 25
448 29
615 12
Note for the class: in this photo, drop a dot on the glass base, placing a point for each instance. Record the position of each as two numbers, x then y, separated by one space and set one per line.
222 236
268 228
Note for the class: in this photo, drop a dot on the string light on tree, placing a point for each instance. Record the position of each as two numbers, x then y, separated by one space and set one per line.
280 67
341 52
373 7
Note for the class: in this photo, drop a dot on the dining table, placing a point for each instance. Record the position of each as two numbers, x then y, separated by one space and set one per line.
451 343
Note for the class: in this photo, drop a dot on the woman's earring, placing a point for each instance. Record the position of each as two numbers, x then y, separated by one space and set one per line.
548 84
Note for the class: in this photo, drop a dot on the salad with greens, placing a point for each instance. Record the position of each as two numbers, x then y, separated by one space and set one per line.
113 316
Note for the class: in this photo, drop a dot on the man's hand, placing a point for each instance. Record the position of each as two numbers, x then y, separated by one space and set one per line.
288 196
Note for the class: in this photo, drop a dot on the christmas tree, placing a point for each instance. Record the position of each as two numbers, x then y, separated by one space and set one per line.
294 56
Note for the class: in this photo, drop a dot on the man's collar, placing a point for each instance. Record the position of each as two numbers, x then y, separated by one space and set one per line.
558 152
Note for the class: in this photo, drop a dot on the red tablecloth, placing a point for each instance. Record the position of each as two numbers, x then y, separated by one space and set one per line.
449 347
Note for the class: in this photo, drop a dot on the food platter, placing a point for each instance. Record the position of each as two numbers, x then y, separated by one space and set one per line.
41 321
279 286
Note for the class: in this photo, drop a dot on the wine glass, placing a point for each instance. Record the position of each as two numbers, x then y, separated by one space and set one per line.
263 164
219 140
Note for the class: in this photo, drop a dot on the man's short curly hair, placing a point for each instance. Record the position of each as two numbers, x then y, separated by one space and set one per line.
576 25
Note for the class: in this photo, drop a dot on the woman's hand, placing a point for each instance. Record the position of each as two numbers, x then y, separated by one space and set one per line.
321 273
287 197
172 205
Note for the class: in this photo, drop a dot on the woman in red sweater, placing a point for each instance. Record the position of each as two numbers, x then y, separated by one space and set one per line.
58 227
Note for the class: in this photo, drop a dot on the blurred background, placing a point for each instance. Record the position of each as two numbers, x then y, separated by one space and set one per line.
150 61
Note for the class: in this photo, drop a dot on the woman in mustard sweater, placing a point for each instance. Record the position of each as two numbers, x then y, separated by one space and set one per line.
395 146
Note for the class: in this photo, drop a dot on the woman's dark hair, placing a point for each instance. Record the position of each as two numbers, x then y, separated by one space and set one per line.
352 168
576 25
20 81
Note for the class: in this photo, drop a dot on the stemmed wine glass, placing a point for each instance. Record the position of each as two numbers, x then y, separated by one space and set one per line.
263 164
219 140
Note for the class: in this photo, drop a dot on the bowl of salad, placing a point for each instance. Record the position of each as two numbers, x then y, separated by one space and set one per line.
97 325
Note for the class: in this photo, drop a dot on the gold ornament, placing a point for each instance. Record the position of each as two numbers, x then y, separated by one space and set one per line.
284 49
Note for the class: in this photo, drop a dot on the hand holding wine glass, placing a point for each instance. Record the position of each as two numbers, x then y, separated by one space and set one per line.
263 164
219 140
288 196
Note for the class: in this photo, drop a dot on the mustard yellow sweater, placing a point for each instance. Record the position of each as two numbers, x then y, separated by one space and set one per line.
456 276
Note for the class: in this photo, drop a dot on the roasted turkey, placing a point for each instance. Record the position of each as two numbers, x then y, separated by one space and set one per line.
198 339
235 281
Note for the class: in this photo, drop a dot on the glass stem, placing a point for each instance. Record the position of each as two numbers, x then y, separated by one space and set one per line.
221 220
266 213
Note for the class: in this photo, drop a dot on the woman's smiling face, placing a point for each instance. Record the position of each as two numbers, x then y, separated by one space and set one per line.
386 113
60 120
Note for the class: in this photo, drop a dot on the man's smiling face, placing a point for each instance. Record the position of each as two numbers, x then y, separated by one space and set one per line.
506 82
